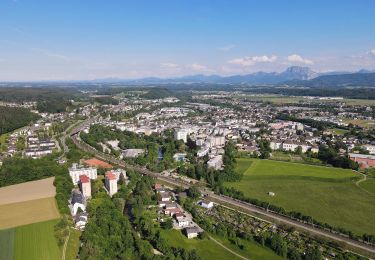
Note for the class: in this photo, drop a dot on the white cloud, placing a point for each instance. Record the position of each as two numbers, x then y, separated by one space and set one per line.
251 60
226 48
295 58
168 65
372 52
198 67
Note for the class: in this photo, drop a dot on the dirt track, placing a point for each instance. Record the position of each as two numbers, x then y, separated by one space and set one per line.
31 190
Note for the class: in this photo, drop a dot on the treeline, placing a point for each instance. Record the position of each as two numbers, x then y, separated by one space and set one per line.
157 93
64 186
18 170
12 118
106 100
52 105
232 192
329 155
22 94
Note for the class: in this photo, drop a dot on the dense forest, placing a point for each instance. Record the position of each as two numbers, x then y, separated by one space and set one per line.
17 170
12 118
22 94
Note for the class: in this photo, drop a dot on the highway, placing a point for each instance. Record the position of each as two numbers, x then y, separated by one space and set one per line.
228 201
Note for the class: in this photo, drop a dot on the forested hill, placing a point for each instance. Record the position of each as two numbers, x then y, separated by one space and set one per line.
342 80
12 118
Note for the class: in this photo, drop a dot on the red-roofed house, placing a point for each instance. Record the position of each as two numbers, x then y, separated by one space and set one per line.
111 183
85 185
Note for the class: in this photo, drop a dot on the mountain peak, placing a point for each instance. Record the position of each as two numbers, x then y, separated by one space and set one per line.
297 72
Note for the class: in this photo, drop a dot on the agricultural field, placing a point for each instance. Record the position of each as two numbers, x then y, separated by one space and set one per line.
7 244
35 241
208 249
30 190
280 99
27 203
360 122
27 212
327 194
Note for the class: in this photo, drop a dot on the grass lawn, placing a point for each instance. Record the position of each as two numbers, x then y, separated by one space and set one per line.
208 249
27 212
252 250
327 194
338 131
368 185
73 245
7 244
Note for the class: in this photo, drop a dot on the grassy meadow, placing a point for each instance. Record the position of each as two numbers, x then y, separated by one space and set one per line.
327 194
208 249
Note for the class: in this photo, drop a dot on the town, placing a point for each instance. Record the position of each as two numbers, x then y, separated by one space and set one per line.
197 148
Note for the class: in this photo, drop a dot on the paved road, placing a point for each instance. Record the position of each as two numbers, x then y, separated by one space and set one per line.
223 199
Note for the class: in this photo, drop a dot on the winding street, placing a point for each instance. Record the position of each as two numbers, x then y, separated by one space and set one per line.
237 205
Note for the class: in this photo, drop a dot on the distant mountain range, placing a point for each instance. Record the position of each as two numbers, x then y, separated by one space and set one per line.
294 76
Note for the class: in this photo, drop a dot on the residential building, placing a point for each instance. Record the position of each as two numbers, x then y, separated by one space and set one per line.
181 135
111 183
191 232
215 162
85 185
77 170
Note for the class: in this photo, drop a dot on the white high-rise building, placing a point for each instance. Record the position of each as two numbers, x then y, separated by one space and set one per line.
75 171
111 183
180 135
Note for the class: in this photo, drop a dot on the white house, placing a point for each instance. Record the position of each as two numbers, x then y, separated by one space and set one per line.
206 204
191 232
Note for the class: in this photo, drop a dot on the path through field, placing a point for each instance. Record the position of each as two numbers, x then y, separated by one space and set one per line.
226 248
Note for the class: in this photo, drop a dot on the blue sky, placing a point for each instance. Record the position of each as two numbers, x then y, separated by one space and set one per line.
87 39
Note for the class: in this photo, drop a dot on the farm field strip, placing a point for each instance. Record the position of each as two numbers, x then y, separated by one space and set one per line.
33 242
27 212
31 190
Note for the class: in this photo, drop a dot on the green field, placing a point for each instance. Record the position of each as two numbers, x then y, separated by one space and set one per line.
368 185
208 249
35 241
327 194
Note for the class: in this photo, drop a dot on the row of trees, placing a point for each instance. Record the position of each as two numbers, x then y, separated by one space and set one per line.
12 118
